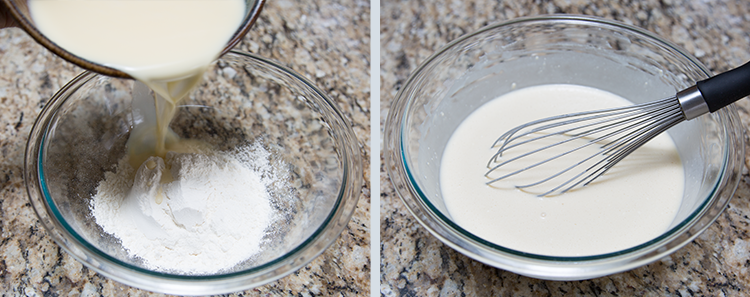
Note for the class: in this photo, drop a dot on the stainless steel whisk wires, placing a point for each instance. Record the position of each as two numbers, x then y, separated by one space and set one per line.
617 132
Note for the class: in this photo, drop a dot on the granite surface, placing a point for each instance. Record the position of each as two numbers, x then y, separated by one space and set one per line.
414 263
326 41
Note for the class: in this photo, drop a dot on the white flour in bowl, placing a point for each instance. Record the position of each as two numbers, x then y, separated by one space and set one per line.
194 213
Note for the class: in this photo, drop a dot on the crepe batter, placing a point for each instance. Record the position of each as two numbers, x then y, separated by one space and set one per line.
631 204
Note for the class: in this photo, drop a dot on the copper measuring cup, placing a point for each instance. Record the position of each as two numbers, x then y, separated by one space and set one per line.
20 12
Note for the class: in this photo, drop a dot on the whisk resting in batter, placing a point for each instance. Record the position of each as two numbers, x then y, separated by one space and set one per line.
615 132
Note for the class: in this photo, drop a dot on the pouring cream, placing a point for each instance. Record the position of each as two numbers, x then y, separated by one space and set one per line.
193 210
165 44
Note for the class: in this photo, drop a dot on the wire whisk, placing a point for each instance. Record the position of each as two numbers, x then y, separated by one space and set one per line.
612 134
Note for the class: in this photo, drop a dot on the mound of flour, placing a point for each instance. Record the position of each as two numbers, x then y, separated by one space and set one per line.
194 213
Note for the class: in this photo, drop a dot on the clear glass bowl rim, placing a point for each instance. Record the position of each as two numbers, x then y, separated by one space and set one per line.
554 267
111 267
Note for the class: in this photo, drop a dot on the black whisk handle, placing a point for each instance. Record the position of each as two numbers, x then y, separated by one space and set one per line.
726 88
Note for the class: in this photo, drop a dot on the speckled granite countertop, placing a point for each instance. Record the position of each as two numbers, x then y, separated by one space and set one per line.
326 41
414 263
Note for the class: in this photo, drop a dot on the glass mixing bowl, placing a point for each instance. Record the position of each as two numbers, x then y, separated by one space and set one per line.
618 58
82 131
19 9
